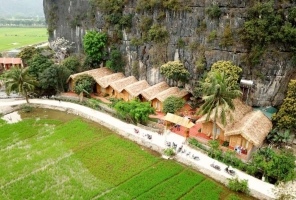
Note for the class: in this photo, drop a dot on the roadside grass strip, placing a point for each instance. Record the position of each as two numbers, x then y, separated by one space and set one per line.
114 159
143 182
206 190
175 187
67 179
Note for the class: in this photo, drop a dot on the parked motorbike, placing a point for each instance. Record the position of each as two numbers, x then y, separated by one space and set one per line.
217 167
180 148
174 145
168 144
183 151
188 153
136 130
149 136
230 171
194 157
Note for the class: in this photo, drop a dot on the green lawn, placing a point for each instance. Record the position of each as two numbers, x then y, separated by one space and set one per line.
11 38
50 159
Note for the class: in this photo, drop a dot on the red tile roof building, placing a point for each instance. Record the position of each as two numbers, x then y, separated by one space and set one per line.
7 63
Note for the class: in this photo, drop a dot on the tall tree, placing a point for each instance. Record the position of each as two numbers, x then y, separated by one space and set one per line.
175 70
27 53
218 97
94 44
285 118
18 80
38 64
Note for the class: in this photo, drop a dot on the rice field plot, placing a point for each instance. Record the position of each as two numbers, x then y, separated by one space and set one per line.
115 160
11 38
51 159
175 187
144 181
206 190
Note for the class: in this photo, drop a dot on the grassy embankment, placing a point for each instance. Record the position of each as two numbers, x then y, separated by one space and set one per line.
11 38
50 159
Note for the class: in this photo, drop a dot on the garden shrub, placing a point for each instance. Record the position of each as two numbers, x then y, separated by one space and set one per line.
172 104
239 186
169 152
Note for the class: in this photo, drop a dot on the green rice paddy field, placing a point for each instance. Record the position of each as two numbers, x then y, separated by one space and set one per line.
11 38
77 159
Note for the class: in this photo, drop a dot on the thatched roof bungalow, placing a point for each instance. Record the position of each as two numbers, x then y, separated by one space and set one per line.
133 90
95 73
103 84
151 92
120 84
172 91
247 130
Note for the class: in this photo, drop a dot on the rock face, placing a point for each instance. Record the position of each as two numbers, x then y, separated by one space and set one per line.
190 39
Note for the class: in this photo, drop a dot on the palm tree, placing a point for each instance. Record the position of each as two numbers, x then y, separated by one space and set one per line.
218 96
18 80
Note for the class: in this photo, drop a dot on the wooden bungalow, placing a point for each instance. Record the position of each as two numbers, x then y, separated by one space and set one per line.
119 85
172 91
95 73
150 93
7 63
134 90
247 130
103 84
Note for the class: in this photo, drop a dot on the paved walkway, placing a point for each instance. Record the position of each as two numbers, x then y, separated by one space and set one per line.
259 189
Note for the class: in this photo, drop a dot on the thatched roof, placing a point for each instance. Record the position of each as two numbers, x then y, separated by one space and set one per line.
172 91
122 83
183 121
95 73
107 80
254 127
136 88
238 113
153 91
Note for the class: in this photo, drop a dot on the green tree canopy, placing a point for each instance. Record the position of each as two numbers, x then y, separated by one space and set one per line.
38 64
175 70
72 63
278 165
136 111
95 44
116 62
18 80
285 118
54 78
218 93
231 71
27 53
172 104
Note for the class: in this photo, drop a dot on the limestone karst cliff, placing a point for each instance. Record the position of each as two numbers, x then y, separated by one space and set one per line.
200 32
